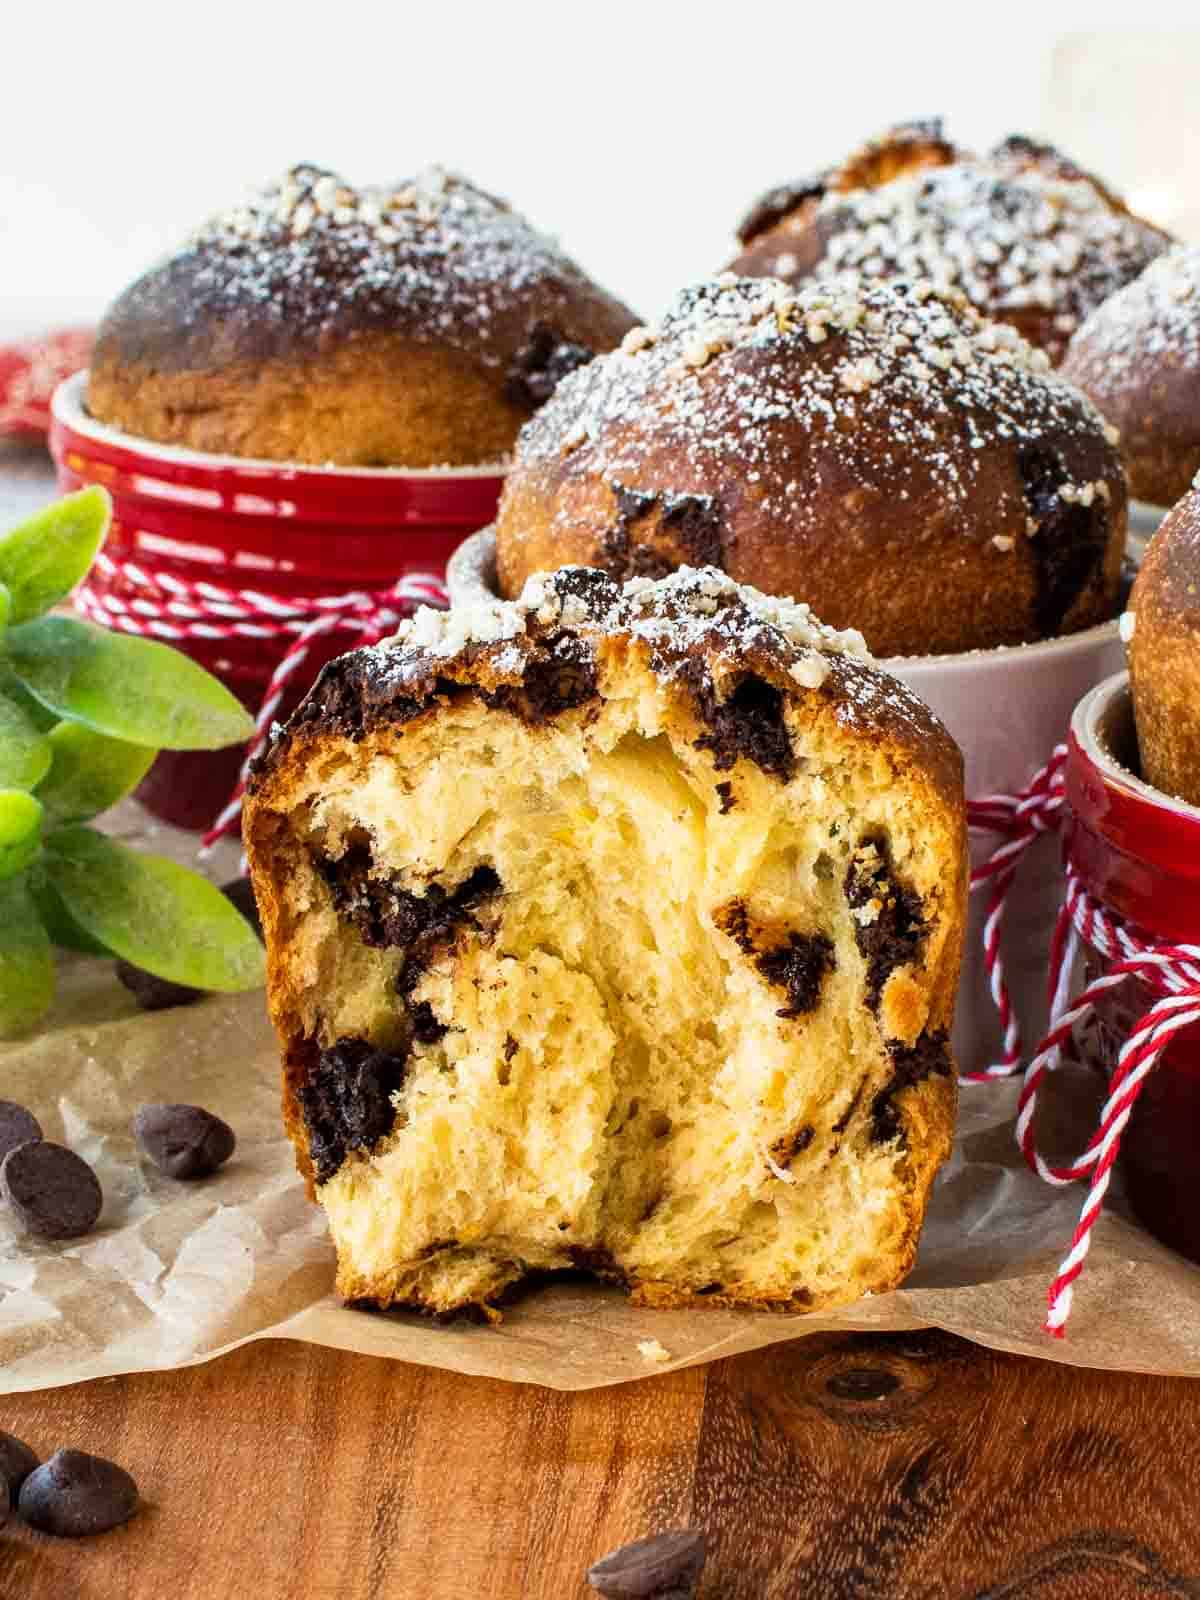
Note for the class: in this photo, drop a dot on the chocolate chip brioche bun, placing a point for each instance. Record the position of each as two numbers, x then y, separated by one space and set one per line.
1138 357
877 450
615 929
1027 235
1164 653
411 325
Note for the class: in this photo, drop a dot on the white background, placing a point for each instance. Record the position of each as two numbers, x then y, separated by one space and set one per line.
638 133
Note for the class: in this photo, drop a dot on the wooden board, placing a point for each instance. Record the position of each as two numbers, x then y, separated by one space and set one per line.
890 1466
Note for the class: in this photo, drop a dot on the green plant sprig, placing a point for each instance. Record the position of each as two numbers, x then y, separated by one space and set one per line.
83 713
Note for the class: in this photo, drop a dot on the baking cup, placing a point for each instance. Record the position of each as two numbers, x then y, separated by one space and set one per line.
1007 708
278 529
1136 851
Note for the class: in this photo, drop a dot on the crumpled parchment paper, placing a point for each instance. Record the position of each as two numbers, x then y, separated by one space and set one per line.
179 1272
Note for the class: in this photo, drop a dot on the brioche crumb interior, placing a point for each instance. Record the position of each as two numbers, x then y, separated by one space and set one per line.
659 1059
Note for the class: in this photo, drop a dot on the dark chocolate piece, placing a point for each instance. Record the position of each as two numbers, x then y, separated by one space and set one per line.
18 1125
183 1141
346 1099
541 363
748 723
1071 539
17 1461
153 993
74 1494
52 1191
798 968
666 1566
910 1064
893 938
388 917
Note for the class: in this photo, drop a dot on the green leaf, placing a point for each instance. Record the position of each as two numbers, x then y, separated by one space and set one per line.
20 831
132 689
43 558
25 754
64 931
89 773
13 689
154 913
26 961
5 608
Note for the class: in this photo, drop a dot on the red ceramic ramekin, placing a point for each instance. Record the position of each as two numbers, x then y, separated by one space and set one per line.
275 528
1137 851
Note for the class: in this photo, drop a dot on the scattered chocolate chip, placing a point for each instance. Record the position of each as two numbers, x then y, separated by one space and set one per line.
240 893
17 1461
153 993
74 1494
52 1190
666 1566
17 1126
183 1141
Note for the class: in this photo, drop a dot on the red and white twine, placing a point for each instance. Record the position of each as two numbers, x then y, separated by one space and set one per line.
165 606
1171 972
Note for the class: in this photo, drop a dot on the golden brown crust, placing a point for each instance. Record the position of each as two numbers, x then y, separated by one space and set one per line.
895 462
1164 654
1138 358
364 704
1029 236
415 326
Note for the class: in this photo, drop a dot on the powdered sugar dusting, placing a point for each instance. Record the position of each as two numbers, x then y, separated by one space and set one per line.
898 385
1009 242
691 610
311 249
1151 323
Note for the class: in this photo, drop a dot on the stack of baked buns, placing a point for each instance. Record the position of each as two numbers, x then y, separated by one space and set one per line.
875 448
1028 236
416 324
616 927
616 923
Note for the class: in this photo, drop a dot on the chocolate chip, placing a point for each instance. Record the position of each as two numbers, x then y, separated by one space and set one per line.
748 723
798 968
52 1190
17 1126
17 1461
896 930
153 993
346 1098
662 1567
911 1064
74 1494
425 1025
541 364
183 1141
1071 538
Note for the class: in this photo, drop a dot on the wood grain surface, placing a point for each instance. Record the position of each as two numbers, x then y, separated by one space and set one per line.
889 1466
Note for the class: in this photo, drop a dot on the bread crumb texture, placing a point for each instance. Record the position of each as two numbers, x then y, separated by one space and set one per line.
615 929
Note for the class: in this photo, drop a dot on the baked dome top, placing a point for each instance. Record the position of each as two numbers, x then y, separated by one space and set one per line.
862 445
311 257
